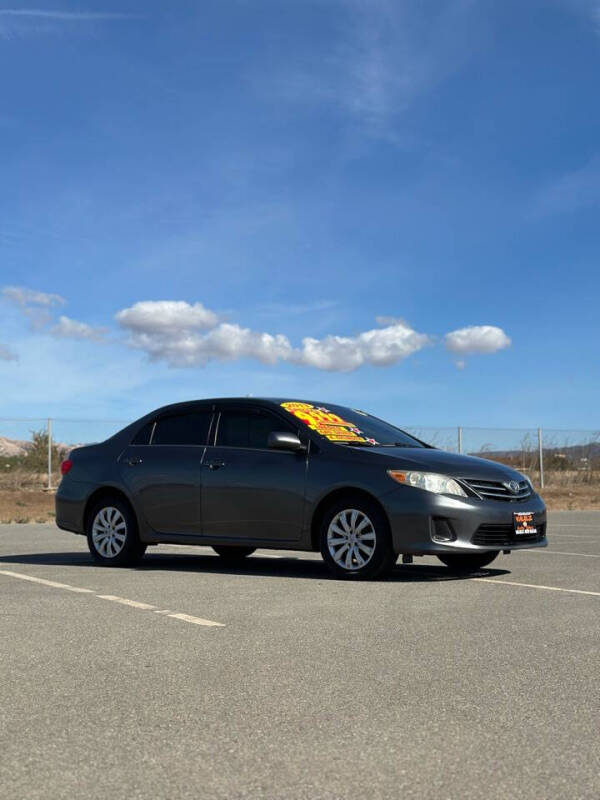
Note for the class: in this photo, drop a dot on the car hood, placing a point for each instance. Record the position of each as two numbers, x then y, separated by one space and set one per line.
453 464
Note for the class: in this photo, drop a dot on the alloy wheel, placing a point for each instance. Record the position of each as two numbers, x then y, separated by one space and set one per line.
109 532
351 539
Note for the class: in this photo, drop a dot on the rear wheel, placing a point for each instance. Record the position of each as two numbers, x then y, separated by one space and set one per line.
355 539
470 562
233 553
112 533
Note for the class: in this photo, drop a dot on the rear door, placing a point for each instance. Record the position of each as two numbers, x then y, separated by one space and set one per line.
161 469
248 490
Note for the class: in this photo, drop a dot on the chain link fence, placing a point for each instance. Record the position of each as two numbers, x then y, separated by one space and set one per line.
31 449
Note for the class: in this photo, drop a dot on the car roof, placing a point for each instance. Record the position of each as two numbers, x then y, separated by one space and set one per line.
272 401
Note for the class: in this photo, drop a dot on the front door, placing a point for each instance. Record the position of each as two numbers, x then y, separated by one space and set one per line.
163 472
248 490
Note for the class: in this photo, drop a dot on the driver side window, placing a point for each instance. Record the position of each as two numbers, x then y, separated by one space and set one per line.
238 428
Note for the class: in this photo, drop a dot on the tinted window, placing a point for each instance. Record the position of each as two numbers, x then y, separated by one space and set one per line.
191 428
143 435
247 428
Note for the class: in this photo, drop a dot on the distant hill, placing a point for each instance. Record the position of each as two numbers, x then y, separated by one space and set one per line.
14 448
573 457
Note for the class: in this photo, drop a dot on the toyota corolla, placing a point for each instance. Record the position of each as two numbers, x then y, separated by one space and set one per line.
238 474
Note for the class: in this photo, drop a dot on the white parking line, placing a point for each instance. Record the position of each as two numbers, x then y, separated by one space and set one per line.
45 582
536 586
196 620
114 599
560 553
125 602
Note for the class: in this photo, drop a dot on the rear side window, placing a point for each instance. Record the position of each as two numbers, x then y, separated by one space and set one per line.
191 428
248 428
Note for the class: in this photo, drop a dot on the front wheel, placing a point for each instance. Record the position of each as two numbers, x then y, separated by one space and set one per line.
233 553
355 539
112 534
470 562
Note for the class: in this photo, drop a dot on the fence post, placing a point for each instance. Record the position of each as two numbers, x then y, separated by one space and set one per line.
541 454
459 439
49 453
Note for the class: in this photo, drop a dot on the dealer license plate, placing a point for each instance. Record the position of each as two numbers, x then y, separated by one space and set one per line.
524 524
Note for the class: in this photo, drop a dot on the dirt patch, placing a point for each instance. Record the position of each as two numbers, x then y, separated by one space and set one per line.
23 505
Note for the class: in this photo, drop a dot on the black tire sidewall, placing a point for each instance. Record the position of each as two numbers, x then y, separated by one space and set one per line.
383 558
132 550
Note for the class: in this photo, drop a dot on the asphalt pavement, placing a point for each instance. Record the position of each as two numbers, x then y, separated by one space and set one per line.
184 678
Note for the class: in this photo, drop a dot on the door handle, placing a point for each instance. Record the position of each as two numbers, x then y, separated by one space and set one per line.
134 460
215 464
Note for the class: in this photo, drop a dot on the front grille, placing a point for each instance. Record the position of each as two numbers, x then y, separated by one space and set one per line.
495 490
489 535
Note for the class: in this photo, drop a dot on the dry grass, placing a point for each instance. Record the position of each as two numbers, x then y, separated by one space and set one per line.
26 505
576 497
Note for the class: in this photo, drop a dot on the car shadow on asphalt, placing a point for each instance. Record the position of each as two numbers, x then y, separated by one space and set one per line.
258 565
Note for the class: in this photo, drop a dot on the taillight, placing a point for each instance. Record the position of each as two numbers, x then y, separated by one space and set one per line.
65 466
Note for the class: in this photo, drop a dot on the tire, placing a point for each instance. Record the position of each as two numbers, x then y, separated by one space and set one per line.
354 530
233 553
112 534
468 562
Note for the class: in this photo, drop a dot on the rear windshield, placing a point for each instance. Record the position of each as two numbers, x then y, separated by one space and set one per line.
350 426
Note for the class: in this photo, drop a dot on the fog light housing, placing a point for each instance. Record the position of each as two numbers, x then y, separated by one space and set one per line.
442 530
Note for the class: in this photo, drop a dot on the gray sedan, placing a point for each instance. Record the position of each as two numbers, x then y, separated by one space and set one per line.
237 474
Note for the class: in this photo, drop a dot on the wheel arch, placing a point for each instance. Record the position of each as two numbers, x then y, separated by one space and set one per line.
106 492
333 496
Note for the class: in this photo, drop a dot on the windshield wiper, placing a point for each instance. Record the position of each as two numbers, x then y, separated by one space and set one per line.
378 444
396 444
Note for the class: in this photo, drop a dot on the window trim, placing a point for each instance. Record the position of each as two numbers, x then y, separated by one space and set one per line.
156 420
152 423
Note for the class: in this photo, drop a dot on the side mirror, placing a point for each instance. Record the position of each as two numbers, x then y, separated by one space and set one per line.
282 440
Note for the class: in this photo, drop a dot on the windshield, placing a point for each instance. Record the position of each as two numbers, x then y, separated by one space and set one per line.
349 426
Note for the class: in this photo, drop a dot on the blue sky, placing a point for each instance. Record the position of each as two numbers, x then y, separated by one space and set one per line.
392 205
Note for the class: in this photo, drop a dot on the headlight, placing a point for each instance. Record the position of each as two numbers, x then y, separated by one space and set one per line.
430 481
528 479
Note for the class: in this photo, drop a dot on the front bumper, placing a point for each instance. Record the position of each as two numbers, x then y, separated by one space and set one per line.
413 515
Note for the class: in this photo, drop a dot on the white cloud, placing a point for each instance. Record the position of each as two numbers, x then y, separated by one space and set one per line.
476 339
190 335
187 335
176 333
166 317
35 305
67 328
67 16
20 22
380 347
24 297
6 354
384 320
